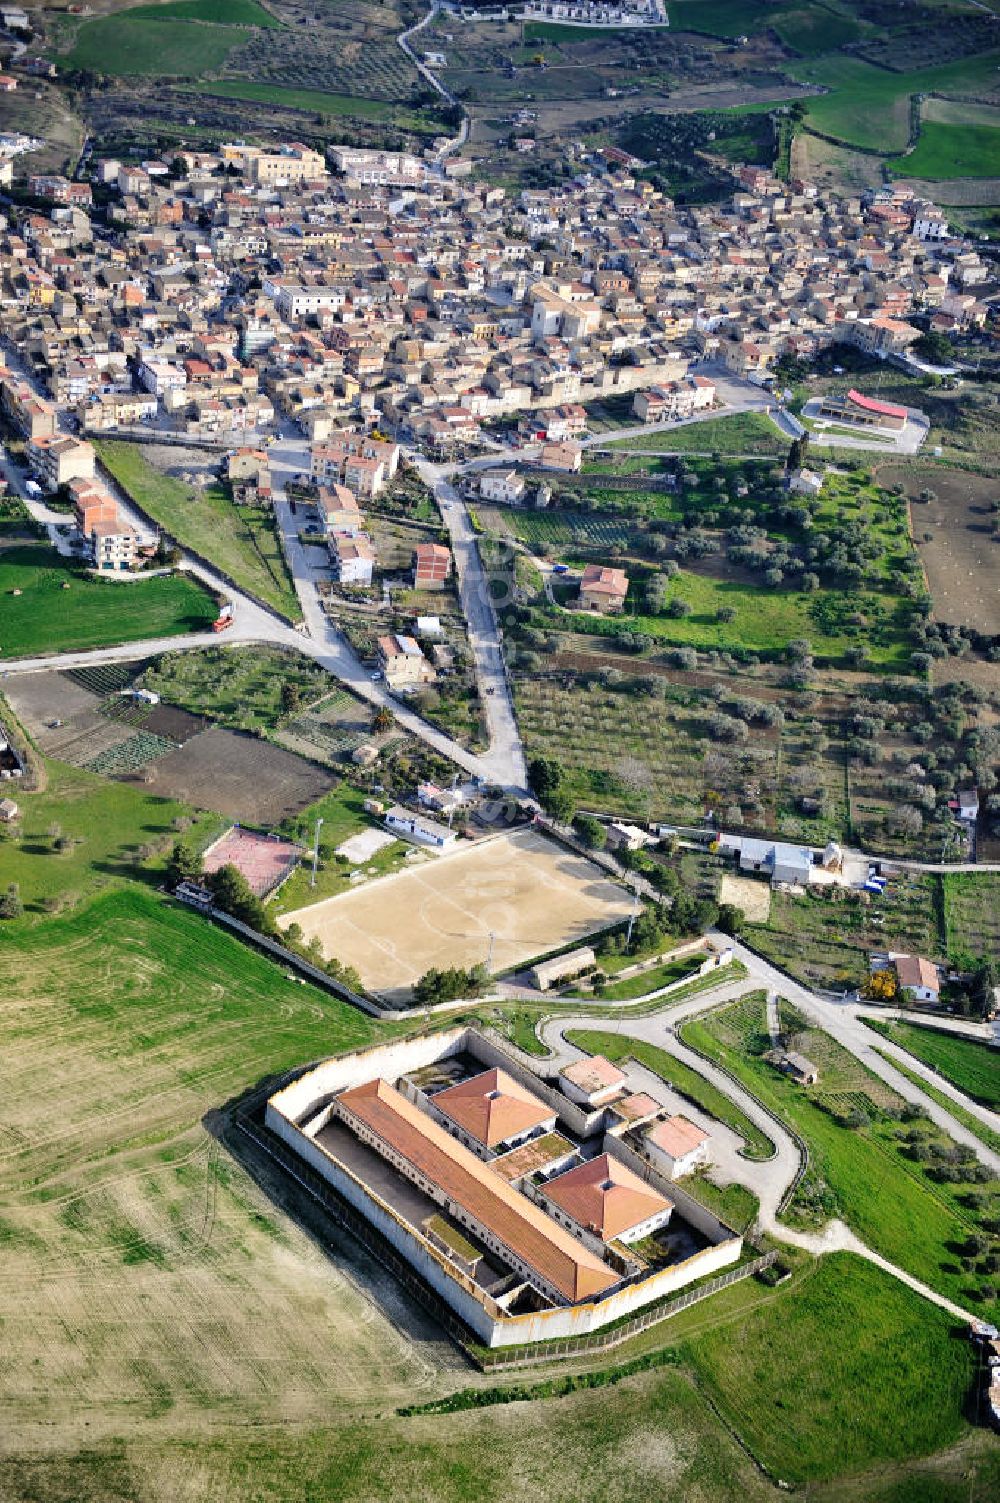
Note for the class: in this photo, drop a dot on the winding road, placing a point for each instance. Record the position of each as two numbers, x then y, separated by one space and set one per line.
771 1179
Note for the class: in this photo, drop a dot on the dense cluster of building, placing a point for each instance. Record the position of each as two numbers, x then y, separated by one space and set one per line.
229 286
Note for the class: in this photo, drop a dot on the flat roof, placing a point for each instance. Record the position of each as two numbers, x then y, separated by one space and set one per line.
677 1136
534 1237
593 1074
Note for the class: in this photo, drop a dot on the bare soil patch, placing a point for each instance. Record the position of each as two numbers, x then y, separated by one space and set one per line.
753 897
525 890
239 776
961 557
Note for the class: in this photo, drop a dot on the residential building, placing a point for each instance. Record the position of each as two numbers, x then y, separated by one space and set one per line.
418 829
431 566
505 486
603 589
353 558
403 663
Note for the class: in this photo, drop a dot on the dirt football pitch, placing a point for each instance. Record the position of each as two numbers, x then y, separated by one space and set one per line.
529 892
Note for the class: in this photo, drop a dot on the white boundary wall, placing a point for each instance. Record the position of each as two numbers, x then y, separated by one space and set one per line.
298 1112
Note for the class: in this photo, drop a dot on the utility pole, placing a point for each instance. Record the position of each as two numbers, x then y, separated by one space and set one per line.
319 826
634 914
489 955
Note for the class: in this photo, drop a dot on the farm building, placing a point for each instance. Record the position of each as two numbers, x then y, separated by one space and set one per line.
772 858
918 976
403 664
800 1069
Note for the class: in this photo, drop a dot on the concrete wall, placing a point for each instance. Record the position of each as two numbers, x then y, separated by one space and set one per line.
480 1313
389 1061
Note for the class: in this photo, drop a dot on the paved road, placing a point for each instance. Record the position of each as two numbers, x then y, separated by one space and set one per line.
769 1180
506 753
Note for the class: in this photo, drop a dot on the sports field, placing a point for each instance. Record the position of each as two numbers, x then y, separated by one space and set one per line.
528 892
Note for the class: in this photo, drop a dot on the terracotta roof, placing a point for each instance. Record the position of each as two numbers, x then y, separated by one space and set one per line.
677 1136
593 1074
604 580
493 1107
914 970
605 1197
558 1258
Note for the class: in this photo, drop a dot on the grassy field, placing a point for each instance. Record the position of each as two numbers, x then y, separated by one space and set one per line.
239 540
740 433
824 940
62 609
862 1173
651 980
106 826
869 107
975 1126
973 1067
971 903
894 1388
616 1046
946 151
239 686
316 101
219 12
126 46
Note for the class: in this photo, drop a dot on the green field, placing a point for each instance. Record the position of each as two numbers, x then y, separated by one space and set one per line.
62 609
239 686
220 12
650 981
105 826
946 151
316 101
973 1067
120 45
240 541
815 28
615 1046
894 1387
971 902
869 107
857 1173
739 433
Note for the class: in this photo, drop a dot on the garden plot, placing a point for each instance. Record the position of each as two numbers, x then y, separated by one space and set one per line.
239 776
525 891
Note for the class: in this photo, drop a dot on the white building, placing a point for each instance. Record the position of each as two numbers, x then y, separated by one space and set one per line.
591 1082
418 829
677 1146
501 485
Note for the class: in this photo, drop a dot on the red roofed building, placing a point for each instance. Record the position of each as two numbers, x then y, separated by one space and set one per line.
919 976
863 412
503 1219
677 1146
431 566
493 1112
607 1200
603 588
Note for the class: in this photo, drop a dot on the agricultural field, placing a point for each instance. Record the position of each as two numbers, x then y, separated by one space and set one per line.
825 937
973 1067
246 688
866 1166
972 913
947 151
240 540
318 101
61 607
953 525
869 107
238 775
740 433
187 38
893 1391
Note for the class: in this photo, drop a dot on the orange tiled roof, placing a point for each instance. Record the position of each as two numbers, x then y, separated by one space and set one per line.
492 1107
605 1197
517 1222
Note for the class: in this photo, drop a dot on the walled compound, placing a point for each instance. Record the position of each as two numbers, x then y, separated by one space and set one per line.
533 1215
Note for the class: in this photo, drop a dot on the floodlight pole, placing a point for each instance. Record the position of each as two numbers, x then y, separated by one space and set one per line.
634 914
489 955
319 826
